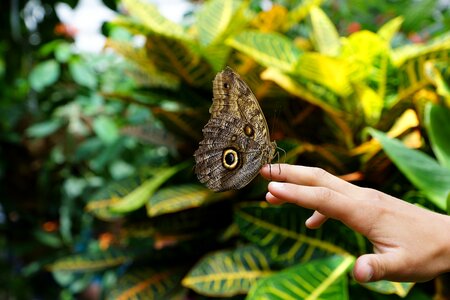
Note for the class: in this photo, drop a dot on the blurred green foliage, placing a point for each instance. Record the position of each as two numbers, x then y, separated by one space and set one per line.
99 199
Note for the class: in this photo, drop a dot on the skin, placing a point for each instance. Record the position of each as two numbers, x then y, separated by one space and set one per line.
409 243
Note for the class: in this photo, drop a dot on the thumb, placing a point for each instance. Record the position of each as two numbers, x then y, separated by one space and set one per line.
372 267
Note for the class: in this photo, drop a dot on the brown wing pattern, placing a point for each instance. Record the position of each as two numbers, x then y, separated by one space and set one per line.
236 140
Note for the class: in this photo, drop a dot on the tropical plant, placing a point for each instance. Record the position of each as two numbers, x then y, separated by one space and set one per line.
121 129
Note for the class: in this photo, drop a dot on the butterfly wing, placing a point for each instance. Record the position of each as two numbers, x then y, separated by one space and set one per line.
236 140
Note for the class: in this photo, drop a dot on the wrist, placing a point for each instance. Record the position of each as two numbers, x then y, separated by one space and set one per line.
444 255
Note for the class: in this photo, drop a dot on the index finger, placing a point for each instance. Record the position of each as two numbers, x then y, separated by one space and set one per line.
309 176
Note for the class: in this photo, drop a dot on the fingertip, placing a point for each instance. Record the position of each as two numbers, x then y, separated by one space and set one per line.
275 187
363 270
265 171
272 199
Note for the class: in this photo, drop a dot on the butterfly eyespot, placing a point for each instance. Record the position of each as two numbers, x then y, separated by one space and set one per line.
230 159
248 130
226 86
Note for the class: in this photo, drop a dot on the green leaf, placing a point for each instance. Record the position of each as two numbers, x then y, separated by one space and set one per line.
325 35
106 129
437 122
90 262
43 129
214 19
280 230
63 51
269 49
44 74
181 197
179 59
309 90
371 102
139 196
301 11
390 28
318 279
327 71
82 73
228 272
144 283
422 170
389 287
150 17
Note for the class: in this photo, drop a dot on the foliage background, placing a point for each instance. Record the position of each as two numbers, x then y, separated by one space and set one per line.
98 197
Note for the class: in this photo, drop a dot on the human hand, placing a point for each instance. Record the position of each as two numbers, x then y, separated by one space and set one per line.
410 243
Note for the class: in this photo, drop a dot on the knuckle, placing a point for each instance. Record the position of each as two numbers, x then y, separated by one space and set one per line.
319 173
324 193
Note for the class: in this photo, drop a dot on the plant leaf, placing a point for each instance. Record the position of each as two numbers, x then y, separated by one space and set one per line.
389 287
215 18
390 28
327 71
181 197
228 273
371 102
437 122
82 73
43 129
280 230
318 279
268 49
422 170
144 283
139 196
149 15
179 59
311 92
90 262
325 35
44 74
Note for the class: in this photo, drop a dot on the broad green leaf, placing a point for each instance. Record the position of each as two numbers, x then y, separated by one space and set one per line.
144 283
63 52
44 74
149 15
177 198
280 231
325 35
149 74
318 279
228 272
215 18
390 28
105 128
269 49
83 74
308 91
362 51
139 196
300 12
436 49
437 122
422 170
43 129
434 71
179 59
90 262
371 102
389 287
327 71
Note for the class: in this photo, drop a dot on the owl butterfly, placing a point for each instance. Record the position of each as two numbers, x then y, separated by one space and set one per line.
236 140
